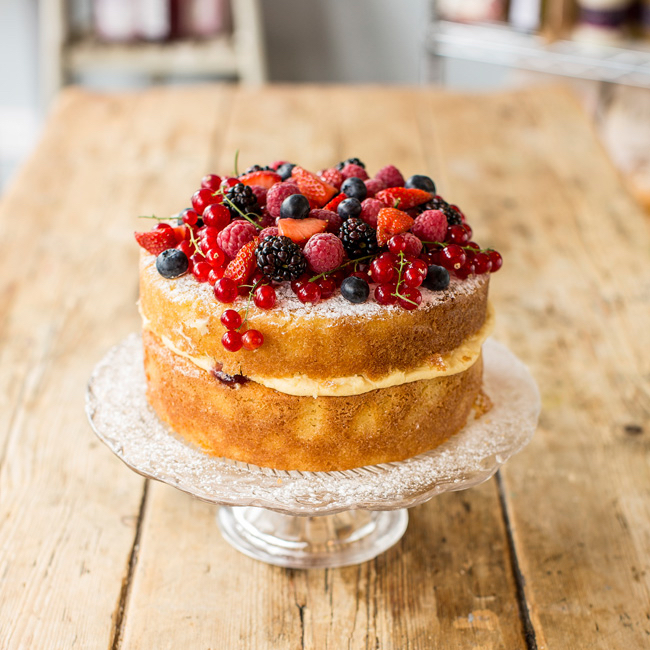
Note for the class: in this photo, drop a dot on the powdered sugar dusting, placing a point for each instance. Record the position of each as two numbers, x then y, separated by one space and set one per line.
117 407
186 288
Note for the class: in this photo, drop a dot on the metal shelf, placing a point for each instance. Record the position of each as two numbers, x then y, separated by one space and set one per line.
500 45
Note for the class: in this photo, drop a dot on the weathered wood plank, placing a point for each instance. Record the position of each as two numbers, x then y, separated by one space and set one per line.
574 302
69 509
448 584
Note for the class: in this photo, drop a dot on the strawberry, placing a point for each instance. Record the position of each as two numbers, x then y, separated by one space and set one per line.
300 230
333 205
408 198
317 191
264 179
156 241
241 268
391 222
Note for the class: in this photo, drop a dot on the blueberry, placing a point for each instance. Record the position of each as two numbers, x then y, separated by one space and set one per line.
354 188
355 290
349 208
172 263
419 182
437 278
285 170
295 206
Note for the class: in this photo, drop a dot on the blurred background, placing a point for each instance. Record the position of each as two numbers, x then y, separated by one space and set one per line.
599 47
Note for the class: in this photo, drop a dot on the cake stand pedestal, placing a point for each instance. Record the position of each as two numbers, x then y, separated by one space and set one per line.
311 519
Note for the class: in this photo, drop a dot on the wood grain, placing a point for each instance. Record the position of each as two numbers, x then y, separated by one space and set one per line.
88 558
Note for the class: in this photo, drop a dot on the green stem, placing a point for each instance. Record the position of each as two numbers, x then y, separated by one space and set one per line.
236 162
228 202
338 268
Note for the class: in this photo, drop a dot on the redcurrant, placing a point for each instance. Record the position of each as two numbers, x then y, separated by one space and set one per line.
327 287
201 271
308 292
452 257
382 270
202 198
252 339
384 294
397 243
189 217
232 341
225 290
211 182
231 319
496 259
264 297
482 263
216 216
411 298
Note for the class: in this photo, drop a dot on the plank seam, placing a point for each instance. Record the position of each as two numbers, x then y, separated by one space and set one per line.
520 581
120 612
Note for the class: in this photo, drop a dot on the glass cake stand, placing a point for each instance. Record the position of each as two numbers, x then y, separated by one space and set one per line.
310 519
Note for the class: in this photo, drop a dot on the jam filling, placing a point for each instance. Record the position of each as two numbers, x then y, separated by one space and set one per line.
232 381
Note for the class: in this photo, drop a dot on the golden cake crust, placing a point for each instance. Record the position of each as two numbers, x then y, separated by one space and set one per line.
262 426
329 340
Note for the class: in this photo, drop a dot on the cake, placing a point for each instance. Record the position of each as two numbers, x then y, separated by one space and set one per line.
315 322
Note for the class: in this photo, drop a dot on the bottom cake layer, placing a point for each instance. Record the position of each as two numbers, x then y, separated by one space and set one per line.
251 423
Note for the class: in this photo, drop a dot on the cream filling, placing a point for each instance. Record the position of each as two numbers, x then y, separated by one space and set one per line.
451 363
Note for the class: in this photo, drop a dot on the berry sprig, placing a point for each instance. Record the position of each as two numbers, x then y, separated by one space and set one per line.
233 340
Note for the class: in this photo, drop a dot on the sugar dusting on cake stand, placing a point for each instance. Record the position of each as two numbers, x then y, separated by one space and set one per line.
311 519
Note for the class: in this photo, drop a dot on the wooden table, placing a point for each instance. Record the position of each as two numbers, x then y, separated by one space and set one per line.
553 553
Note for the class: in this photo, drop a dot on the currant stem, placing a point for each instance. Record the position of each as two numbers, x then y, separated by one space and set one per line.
153 216
248 302
236 162
236 209
397 294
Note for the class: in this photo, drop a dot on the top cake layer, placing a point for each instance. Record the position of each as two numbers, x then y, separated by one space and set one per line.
331 339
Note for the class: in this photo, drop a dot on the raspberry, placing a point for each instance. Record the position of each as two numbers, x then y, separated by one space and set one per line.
260 194
374 185
324 252
332 176
390 176
271 231
369 210
413 244
277 194
234 236
333 219
431 225
351 170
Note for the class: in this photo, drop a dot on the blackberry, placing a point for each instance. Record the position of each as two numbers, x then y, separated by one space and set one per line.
350 161
438 203
359 239
243 198
258 168
280 259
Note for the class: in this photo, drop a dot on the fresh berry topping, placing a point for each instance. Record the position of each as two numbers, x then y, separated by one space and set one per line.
277 194
373 185
335 202
350 161
384 294
391 221
327 287
318 192
437 278
431 225
280 259
410 298
355 290
482 263
333 220
157 241
241 268
382 270
324 252
420 182
225 290
235 235
358 238
264 297
215 274
409 244
453 215
354 171
216 216
457 235
452 257
402 198
332 176
308 292
354 188
295 206
284 170
201 270
241 199
211 182
189 217
349 208
231 319
390 176
172 263
271 231
202 198
265 179
232 341
369 210
496 259
214 256
413 277
260 194
300 230
252 339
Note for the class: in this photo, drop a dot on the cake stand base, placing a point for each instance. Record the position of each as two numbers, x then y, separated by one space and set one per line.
323 541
